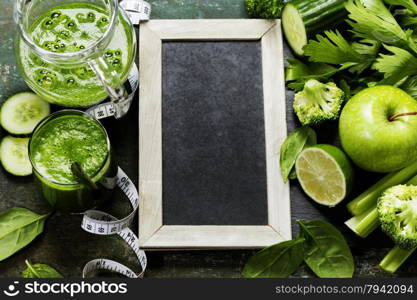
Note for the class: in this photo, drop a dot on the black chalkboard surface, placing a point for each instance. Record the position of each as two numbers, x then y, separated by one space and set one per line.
213 134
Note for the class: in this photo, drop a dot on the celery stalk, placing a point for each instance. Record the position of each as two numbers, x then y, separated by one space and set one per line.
367 200
394 259
365 223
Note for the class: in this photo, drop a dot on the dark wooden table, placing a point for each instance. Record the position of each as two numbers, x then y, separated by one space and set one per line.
65 246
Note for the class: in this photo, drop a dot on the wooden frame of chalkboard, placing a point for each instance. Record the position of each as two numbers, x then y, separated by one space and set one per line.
153 234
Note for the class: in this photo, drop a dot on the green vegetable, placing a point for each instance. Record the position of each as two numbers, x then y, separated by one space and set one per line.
407 20
321 246
292 146
264 9
409 4
397 209
40 271
22 112
395 258
14 155
367 200
326 250
397 214
276 261
409 85
303 18
399 64
338 56
333 48
371 19
364 224
297 73
318 102
19 227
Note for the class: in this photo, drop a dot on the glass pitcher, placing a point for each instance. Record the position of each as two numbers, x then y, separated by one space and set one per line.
76 53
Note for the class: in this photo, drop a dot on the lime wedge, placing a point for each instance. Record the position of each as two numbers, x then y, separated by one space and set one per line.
325 174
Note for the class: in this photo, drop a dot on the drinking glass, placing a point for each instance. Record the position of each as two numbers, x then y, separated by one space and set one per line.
75 197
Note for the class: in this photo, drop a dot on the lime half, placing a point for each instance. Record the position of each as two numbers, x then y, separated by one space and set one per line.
325 174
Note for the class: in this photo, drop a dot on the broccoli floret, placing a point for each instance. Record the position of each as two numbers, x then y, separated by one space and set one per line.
397 210
318 102
265 9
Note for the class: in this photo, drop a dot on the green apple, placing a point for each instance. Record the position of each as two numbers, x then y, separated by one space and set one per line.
378 129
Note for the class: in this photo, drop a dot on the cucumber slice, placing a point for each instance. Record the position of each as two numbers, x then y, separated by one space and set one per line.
302 19
14 156
22 112
294 28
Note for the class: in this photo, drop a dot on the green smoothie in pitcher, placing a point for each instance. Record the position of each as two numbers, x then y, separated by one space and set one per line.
65 138
70 28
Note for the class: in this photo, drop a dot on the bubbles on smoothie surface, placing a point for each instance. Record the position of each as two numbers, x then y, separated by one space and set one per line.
71 28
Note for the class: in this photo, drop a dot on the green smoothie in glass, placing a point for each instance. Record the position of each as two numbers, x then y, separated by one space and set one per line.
69 28
59 141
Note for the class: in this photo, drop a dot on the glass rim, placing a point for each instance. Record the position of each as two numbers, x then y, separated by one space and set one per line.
63 112
88 51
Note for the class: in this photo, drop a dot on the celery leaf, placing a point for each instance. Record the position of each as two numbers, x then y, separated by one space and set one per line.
371 19
397 65
335 49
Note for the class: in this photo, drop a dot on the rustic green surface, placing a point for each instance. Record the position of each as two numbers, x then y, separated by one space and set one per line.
67 248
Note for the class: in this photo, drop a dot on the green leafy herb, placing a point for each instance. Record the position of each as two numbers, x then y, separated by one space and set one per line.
410 86
326 250
18 227
40 271
292 146
333 48
396 66
367 47
277 261
409 4
370 19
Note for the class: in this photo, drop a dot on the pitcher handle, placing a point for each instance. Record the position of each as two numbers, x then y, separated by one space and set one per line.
111 81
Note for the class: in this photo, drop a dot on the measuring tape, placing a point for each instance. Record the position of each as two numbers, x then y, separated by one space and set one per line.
107 109
101 223
138 11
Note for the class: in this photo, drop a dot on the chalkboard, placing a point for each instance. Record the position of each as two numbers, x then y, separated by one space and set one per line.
213 141
211 122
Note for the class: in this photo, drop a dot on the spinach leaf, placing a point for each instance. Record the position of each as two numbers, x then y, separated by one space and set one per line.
277 261
326 250
18 227
40 271
292 146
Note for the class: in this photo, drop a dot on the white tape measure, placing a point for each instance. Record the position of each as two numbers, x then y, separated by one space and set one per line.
101 223
107 109
137 10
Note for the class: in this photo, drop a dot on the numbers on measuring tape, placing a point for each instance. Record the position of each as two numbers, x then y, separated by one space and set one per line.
137 10
101 223
107 109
